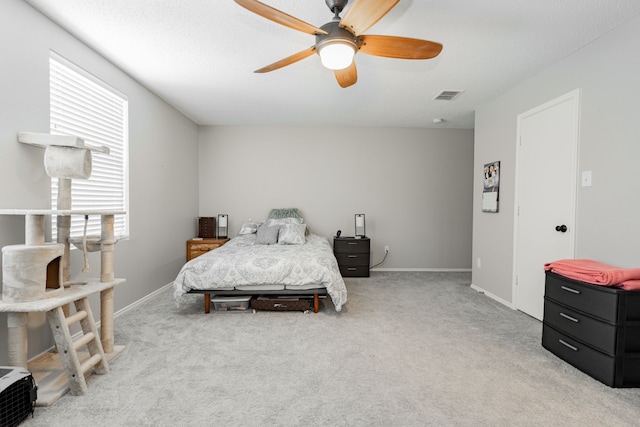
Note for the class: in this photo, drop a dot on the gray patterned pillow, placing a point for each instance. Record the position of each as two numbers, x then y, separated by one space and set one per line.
284 213
281 221
267 234
292 234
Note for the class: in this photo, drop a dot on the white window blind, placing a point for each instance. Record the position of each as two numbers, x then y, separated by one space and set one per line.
83 106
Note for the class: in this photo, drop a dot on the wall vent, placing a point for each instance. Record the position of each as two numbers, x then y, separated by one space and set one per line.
448 95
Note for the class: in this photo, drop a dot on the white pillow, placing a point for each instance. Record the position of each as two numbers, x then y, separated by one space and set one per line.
248 228
292 234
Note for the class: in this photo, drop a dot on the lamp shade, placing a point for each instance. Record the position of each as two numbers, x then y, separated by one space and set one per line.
360 226
336 55
223 226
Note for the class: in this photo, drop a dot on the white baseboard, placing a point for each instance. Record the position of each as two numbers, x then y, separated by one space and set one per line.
493 297
452 270
138 302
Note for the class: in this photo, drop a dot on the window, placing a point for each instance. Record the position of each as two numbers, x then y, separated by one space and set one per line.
83 106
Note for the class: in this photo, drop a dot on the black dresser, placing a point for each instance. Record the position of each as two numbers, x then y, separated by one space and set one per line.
353 255
594 328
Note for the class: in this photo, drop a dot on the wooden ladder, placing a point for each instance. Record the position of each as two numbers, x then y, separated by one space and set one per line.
68 348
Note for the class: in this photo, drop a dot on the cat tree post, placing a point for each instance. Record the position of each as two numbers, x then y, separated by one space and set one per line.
34 230
17 335
107 239
63 223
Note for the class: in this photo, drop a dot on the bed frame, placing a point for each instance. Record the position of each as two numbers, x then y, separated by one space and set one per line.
316 293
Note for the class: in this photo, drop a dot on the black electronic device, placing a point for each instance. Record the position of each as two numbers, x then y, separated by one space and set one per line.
338 233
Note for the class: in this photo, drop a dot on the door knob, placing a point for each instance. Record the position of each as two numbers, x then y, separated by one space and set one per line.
561 228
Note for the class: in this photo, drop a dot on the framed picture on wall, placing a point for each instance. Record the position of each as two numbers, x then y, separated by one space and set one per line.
491 187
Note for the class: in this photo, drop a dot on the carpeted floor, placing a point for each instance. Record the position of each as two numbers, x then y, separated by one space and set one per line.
408 349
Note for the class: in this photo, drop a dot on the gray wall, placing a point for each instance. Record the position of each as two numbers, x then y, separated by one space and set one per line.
413 185
607 225
163 180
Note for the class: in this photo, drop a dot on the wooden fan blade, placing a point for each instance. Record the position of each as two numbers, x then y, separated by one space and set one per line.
399 47
288 60
347 76
364 13
279 16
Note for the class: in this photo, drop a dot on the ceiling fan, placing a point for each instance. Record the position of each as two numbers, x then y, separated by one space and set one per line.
340 39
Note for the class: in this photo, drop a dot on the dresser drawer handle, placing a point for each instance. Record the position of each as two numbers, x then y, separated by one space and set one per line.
566 344
352 243
566 316
352 256
573 291
351 269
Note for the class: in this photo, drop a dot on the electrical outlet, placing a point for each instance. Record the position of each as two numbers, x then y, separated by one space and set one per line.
386 249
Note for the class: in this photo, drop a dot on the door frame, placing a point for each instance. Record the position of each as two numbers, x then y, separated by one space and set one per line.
575 96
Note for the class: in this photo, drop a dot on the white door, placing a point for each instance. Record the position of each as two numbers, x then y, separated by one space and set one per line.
545 196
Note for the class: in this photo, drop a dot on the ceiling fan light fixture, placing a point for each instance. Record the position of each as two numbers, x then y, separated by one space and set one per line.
336 55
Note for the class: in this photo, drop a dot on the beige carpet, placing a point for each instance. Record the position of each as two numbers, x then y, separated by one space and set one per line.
409 349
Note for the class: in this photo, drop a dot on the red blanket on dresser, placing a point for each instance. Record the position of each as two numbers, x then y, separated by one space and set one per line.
597 273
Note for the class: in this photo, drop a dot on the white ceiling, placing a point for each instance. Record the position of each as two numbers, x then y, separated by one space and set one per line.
199 55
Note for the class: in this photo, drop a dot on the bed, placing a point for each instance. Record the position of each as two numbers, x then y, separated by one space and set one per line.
280 258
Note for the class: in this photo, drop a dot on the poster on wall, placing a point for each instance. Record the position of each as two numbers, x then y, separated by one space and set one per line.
491 190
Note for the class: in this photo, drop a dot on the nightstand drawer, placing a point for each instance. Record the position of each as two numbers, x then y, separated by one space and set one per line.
195 253
352 246
204 247
354 271
197 247
353 259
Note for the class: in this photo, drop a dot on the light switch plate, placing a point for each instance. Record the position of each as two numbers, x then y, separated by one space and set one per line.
586 178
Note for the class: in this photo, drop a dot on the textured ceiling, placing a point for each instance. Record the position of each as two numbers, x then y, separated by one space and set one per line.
199 55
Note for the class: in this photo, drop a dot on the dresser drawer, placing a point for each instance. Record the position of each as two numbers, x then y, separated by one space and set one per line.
613 371
353 259
594 332
204 247
596 300
351 246
195 253
354 271
590 361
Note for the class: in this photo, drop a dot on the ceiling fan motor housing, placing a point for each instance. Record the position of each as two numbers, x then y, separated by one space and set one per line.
336 34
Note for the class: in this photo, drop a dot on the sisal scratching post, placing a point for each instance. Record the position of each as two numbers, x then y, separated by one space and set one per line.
106 275
63 222
17 338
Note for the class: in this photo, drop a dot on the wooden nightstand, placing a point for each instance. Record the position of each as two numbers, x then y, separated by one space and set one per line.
197 247
353 255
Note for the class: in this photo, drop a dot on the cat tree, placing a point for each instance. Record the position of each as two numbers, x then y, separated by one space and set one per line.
36 278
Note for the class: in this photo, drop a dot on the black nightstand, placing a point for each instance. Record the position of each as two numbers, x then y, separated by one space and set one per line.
353 255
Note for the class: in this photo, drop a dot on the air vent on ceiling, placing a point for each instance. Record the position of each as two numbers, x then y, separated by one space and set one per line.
448 95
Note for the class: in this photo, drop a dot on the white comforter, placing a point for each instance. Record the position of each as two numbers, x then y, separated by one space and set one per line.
243 262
